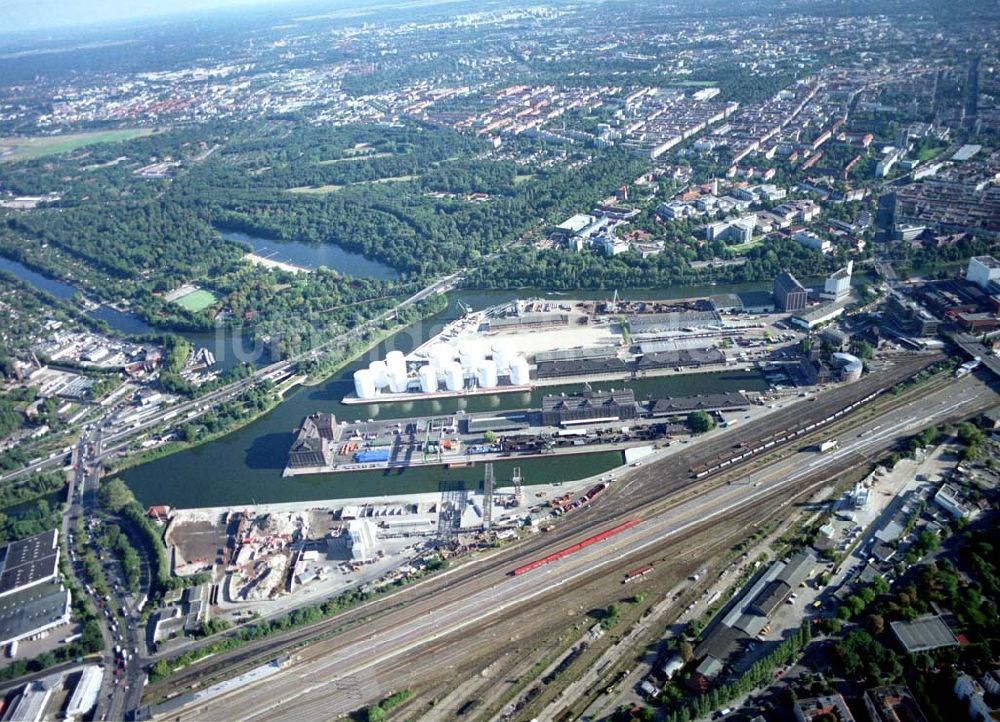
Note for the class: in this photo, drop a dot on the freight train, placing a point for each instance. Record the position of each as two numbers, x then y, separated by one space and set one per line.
746 449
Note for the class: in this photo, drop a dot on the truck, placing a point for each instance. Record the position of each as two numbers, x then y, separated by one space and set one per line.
827 445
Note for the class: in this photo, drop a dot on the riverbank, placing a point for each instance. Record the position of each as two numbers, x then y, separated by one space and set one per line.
281 391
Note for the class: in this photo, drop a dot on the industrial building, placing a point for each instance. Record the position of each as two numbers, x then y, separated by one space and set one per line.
683 405
838 284
689 358
983 270
314 440
744 302
361 539
789 294
909 317
671 321
590 406
29 705
582 367
32 597
84 697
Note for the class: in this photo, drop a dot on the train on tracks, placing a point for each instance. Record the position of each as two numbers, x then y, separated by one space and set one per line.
749 449
637 574
556 556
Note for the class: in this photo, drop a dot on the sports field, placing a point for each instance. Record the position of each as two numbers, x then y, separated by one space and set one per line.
196 300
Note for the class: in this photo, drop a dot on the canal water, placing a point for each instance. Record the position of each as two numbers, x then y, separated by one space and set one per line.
245 466
314 255
230 346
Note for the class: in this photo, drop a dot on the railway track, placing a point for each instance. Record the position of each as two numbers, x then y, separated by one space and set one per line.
325 664
654 488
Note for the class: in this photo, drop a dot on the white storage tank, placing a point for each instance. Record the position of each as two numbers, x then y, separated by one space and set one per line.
519 375
503 354
454 377
397 380
487 374
428 379
470 355
395 361
441 355
364 384
379 373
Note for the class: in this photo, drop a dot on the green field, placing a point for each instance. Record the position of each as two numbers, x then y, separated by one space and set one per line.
16 148
196 300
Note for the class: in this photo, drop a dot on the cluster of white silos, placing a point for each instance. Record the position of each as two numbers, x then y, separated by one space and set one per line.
443 371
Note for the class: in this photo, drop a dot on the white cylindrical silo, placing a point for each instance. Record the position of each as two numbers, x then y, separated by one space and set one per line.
487 374
503 354
454 378
428 379
441 355
519 375
364 384
397 380
379 373
396 361
470 354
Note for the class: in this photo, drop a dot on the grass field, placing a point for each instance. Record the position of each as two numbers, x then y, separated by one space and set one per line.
16 148
320 190
196 300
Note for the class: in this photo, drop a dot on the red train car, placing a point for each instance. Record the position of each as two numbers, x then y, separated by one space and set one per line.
575 547
637 574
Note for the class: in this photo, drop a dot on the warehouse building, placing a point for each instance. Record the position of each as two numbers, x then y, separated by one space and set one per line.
561 410
582 367
682 405
684 358
29 562
789 294
671 322
314 440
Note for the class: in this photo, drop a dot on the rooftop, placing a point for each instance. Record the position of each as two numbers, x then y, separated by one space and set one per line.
928 632
29 561
24 612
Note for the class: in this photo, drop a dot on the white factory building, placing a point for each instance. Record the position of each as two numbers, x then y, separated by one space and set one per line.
361 537
838 285
983 270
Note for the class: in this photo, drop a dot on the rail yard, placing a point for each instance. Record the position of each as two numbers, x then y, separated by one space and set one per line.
656 493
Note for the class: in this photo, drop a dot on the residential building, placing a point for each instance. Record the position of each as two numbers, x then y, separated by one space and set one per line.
831 708
811 240
893 703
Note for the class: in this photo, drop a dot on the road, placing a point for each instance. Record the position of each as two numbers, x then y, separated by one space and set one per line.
304 690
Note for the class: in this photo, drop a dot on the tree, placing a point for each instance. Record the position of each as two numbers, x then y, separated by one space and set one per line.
876 623
114 495
700 422
489 437
685 650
